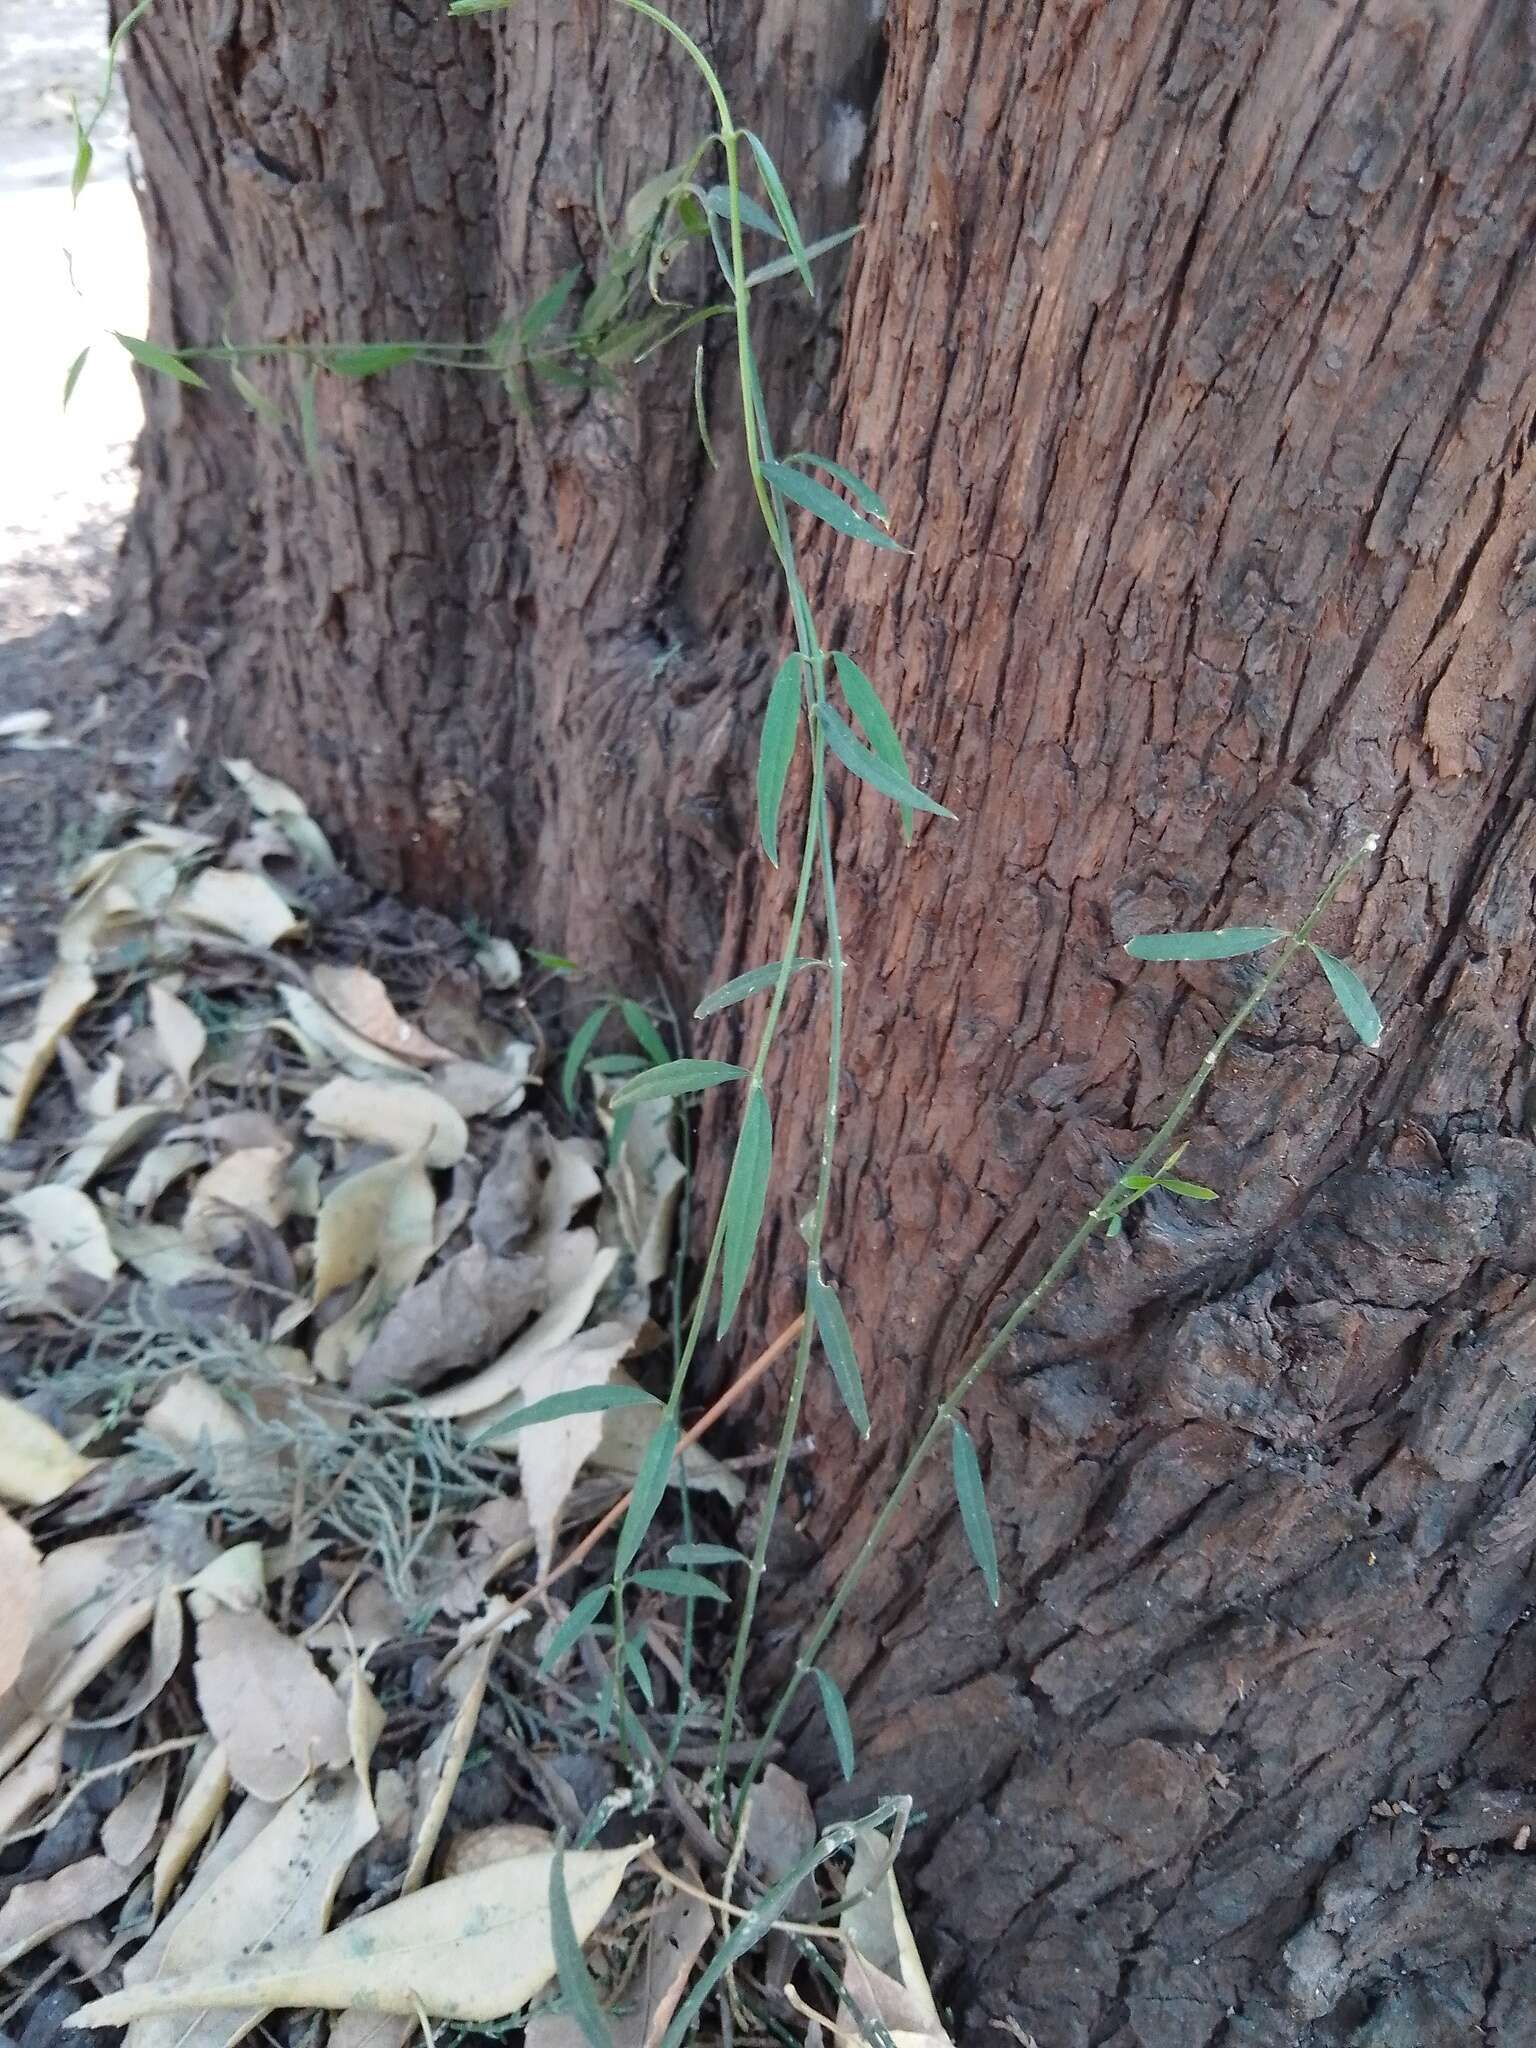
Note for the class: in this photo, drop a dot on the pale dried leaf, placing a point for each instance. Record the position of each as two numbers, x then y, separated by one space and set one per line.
644 1188
32 1781
440 1765
484 1087
477 1847
179 1031
36 1464
189 1412
577 1272
235 1580
160 1253
240 905
507 1200
456 1317
380 1218
17 725
106 1142
476 1947
265 1701
236 1130
398 1116
130 1827
572 1182
628 1431
159 1170
35 1913
275 800
500 963
24 1061
21 1573
373 2030
360 999
674 1941
166 1636
327 1039
201 1803
882 1970
96 1091
246 1183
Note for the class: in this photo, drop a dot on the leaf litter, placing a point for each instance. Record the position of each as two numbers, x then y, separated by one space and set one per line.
293 1225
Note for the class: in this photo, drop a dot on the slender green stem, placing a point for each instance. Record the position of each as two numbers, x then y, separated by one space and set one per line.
1115 1202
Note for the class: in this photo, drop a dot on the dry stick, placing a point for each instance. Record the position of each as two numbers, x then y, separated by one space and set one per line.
573 1557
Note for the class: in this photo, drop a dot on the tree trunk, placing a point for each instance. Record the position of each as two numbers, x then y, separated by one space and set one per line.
514 658
1190 343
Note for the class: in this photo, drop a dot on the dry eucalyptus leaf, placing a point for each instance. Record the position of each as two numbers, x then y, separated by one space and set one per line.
882 1970
190 1412
35 1913
66 1229
577 1272
500 963
24 1061
19 725
628 1431
275 800
476 1088
507 1200
456 1317
265 1701
159 1170
179 1031
398 1116
167 1633
109 1138
161 1254
477 1847
673 1943
32 1781
550 1455
36 1464
246 1183
200 1804
440 1765
644 1188
572 1182
242 906
327 1039
21 1573
373 2030
360 999
476 1947
281 1888
96 1091
235 1580
378 1219
130 1827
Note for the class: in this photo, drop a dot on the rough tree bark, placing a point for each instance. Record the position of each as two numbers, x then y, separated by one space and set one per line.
1191 341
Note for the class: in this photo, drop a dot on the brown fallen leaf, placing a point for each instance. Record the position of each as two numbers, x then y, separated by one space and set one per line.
645 1185
577 1270
882 1971
399 1116
180 1034
441 1763
281 1888
35 1913
131 1826
507 1201
266 1703
33 1780
275 800
247 1183
477 1847
36 1464
110 1138
66 1230
328 1041
486 1088
476 1947
360 999
372 2030
377 1219
456 1317
239 905
201 1802
159 1170
24 1061
189 1412
673 1943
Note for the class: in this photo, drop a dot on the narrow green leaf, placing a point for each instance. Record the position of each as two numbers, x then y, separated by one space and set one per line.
153 357
575 1978
1361 1014
718 200
1218 945
547 307
607 1700
677 1077
477 6
644 1032
781 266
705 1553
754 1926
611 1063
776 749
827 506
650 1485
575 1624
864 702
83 155
249 393
698 406
1114 1226
974 1519
639 1671
554 963
837 1343
368 358
778 199
575 1401
869 768
309 425
753 983
745 1194
1191 1190
684 1585
870 500
835 1707
72 376
576 1053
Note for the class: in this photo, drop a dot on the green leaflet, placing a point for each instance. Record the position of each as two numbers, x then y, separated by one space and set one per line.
1361 1014
835 1707
745 1195
972 1496
1217 945
837 1343
650 1485
576 1053
153 357
864 703
827 505
776 749
870 768
755 982
677 1077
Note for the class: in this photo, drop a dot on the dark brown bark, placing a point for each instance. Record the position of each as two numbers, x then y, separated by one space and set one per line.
514 658
1193 348
1191 343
